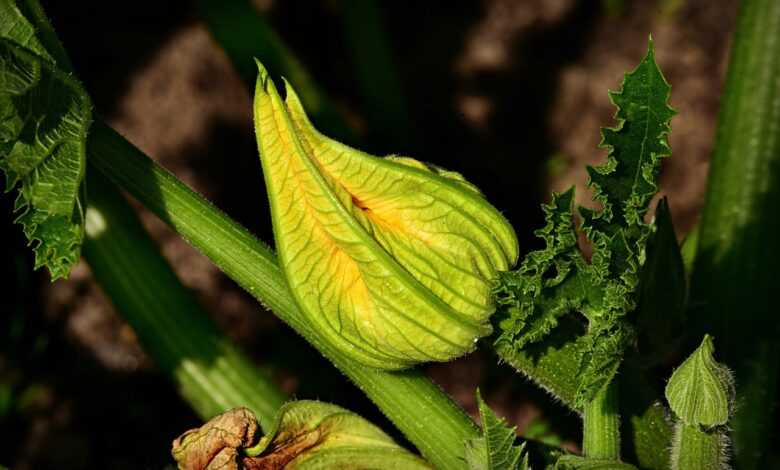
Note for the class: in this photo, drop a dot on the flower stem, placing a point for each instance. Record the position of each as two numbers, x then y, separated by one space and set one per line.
695 449
419 408
601 425
211 374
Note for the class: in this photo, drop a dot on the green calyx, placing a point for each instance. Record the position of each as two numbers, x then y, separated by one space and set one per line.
701 391
392 259
701 394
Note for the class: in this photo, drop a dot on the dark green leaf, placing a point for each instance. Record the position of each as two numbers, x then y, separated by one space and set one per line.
626 183
44 118
663 291
557 280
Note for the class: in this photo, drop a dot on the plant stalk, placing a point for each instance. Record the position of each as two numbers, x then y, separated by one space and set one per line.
733 282
172 326
209 371
419 408
695 449
601 425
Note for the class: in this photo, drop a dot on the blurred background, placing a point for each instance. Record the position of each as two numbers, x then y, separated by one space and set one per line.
511 93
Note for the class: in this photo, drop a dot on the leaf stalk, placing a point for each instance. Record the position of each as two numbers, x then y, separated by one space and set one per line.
601 425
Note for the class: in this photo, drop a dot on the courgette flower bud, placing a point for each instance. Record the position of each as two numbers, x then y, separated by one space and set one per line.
392 259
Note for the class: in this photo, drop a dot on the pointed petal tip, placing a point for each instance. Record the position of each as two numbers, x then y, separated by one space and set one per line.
261 68
262 74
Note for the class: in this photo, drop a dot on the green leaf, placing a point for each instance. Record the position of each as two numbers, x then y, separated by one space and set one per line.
701 391
496 449
306 435
663 291
549 282
557 280
44 118
626 183
392 259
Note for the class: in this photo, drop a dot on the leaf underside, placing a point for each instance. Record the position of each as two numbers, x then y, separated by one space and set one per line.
392 259
44 118
558 280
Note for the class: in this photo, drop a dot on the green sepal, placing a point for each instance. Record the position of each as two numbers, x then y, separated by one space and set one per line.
701 391
495 449
660 312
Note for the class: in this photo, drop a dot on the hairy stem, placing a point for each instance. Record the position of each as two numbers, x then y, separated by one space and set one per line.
426 415
695 449
601 425
733 281
173 328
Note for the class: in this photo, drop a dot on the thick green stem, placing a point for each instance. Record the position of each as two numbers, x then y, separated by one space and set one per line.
426 415
173 328
601 426
733 283
209 372
695 449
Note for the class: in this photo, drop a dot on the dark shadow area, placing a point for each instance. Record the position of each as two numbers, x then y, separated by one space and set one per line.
506 160
734 291
59 408
226 157
107 42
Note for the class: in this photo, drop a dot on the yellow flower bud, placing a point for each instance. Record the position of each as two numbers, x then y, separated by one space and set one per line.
392 259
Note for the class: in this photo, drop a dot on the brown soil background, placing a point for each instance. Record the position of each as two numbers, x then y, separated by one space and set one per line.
510 93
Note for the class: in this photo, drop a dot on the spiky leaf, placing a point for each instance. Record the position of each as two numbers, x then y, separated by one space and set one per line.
557 280
496 449
44 118
627 182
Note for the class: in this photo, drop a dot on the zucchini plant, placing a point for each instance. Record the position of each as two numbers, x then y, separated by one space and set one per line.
386 263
